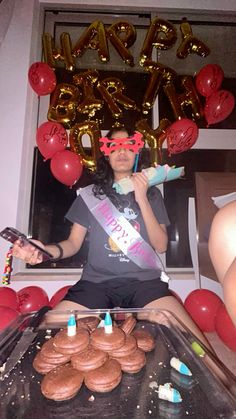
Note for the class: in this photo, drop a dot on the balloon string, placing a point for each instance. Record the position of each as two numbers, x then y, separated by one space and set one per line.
6 279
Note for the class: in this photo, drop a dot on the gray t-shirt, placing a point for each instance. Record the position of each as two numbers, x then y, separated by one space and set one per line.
105 260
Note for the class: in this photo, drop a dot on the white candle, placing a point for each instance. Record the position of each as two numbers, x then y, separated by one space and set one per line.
71 326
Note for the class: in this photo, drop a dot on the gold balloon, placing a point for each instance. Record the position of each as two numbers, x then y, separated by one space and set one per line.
159 74
51 55
111 89
122 44
190 44
93 37
154 38
154 138
90 128
189 99
63 104
66 50
49 50
86 81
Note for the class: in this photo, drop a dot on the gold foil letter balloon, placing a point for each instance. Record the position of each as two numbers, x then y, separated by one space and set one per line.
51 54
161 35
111 90
122 36
90 128
159 74
63 104
86 81
187 99
154 138
93 37
190 44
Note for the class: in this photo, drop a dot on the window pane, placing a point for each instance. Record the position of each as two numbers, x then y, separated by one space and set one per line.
49 204
217 36
166 111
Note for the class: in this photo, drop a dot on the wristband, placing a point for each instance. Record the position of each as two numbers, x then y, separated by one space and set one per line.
60 252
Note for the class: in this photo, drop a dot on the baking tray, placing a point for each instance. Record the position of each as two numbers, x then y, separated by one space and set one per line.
204 394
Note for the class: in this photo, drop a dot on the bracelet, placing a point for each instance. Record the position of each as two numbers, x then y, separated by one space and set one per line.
60 252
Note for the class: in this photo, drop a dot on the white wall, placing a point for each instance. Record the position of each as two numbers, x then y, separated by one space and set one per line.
20 37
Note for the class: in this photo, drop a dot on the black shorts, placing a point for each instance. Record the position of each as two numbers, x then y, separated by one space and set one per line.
124 293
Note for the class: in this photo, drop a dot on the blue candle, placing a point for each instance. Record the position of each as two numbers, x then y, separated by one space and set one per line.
167 392
180 366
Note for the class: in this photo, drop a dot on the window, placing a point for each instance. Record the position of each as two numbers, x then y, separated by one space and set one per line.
50 199
215 149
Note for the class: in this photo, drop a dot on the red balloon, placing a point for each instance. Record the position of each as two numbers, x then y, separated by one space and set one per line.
66 167
181 135
42 78
51 137
59 295
32 298
219 106
8 298
202 305
225 328
7 315
209 79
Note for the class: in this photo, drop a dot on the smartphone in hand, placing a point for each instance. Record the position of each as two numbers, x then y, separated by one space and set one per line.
12 234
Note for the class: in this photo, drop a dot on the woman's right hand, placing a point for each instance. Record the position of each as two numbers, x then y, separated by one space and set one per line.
28 252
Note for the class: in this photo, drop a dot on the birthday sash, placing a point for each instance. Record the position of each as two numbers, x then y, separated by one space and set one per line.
129 241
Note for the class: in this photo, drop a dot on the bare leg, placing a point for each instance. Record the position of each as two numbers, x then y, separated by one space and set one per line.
173 305
69 305
63 311
222 241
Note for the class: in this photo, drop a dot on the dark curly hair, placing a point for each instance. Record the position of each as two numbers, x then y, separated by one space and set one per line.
103 179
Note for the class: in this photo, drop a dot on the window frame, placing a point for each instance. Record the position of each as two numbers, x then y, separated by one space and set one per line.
208 139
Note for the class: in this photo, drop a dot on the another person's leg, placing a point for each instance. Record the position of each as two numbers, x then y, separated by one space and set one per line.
171 304
222 249
161 299
156 294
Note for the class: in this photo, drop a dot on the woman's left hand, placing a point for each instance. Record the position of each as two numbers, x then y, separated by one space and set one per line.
140 183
